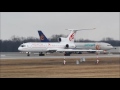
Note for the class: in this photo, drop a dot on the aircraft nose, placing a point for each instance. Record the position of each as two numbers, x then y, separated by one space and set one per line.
112 47
19 48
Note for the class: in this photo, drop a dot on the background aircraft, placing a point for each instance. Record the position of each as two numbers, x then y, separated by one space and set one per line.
43 38
94 46
82 45
66 46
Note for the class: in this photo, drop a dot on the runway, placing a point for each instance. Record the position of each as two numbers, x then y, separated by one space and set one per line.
19 65
18 55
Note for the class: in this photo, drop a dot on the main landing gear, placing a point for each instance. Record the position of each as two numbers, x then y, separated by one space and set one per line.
41 54
67 54
28 53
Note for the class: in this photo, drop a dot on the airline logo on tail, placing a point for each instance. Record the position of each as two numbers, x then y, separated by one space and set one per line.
71 36
41 37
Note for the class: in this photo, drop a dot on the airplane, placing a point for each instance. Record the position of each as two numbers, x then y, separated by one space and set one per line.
82 45
66 46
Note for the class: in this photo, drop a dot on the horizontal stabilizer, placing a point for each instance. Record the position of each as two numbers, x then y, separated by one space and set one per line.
79 29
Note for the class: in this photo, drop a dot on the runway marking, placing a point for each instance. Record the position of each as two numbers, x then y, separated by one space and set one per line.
17 55
21 56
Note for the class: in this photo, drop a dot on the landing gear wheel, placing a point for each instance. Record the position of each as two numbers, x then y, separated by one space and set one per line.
28 54
67 54
40 54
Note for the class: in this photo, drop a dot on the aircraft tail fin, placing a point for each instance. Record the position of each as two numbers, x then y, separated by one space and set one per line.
72 34
43 38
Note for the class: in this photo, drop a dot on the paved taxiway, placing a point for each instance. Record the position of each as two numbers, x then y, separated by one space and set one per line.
18 55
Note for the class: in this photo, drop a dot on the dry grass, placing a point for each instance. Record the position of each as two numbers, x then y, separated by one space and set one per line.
54 68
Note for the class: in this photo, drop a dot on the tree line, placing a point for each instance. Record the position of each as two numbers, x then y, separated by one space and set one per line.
12 44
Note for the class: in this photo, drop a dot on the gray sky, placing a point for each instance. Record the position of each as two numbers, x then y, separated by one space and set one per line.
25 24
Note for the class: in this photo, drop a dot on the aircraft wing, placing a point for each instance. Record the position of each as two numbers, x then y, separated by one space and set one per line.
52 49
76 50
70 50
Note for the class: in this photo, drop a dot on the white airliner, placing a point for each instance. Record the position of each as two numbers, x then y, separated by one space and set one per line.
81 45
66 46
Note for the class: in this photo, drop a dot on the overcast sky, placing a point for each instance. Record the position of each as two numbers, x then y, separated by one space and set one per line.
26 24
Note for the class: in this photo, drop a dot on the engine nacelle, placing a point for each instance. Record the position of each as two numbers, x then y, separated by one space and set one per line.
67 46
61 39
70 46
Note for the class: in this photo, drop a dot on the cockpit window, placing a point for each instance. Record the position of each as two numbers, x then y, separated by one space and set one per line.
22 46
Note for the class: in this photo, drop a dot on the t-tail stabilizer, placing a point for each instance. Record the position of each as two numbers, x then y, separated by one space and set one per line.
71 36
